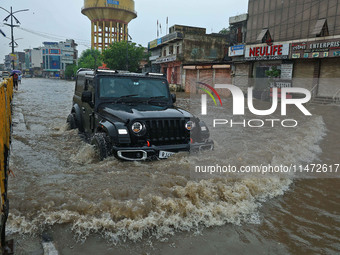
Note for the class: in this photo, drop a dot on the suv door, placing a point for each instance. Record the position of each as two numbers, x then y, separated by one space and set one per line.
88 109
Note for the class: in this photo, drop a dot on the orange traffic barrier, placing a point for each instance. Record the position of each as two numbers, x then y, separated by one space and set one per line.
6 95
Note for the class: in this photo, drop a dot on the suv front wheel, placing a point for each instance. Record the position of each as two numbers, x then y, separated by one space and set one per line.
71 121
101 143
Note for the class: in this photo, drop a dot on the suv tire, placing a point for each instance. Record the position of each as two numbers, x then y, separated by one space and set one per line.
71 121
101 143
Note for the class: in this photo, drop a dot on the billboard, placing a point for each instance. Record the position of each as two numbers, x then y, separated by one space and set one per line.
54 62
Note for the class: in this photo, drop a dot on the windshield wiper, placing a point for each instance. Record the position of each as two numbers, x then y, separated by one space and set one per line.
125 97
153 99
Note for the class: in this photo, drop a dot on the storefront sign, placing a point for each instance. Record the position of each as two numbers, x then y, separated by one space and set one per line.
267 52
315 49
153 44
165 60
281 84
237 50
286 71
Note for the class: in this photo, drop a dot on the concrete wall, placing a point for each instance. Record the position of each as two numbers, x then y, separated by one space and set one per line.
204 48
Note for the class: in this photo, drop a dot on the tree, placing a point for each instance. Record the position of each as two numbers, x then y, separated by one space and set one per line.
70 71
273 72
119 55
90 58
224 31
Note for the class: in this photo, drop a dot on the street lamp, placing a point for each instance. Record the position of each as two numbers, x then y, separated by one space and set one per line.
127 51
11 15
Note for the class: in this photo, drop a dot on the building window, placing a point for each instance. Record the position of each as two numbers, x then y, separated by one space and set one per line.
171 50
164 52
177 50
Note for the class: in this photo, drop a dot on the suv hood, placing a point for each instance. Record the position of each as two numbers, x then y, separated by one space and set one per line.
125 112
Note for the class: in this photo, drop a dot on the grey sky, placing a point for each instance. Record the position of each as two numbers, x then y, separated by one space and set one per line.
62 19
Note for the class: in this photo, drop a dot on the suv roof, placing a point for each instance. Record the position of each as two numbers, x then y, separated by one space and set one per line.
91 72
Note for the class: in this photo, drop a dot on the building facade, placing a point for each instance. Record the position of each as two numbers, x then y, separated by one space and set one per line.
299 38
18 58
56 56
33 61
188 55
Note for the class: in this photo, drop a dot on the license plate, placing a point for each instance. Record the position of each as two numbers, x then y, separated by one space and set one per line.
165 154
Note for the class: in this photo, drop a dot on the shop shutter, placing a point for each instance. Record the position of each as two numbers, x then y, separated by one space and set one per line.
206 76
303 74
190 81
329 82
223 76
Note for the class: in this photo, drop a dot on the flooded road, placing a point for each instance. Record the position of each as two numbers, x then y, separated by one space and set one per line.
115 207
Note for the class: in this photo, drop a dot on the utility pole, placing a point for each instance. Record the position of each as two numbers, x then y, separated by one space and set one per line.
11 15
127 51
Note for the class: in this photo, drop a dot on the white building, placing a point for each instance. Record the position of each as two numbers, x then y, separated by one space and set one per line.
57 55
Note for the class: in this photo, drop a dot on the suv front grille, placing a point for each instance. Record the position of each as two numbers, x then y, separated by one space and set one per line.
167 131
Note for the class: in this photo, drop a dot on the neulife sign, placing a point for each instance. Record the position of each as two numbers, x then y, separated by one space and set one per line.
267 52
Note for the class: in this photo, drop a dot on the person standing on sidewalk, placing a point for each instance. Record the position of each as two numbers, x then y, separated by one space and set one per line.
15 80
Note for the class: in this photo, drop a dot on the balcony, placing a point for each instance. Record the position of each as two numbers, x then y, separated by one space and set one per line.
165 40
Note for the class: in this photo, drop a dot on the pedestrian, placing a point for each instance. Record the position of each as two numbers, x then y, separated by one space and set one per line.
19 78
15 81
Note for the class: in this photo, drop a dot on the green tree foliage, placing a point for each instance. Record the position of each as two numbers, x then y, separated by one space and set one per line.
224 31
90 58
115 57
70 71
273 72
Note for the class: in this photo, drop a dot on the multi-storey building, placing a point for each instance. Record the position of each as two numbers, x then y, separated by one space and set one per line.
57 55
188 54
33 61
300 38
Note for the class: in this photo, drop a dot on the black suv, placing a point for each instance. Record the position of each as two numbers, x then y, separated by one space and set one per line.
132 116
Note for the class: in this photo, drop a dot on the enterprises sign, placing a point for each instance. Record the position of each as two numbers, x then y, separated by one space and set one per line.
316 49
267 52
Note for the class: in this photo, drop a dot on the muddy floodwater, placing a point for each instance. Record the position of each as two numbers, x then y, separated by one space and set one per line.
161 207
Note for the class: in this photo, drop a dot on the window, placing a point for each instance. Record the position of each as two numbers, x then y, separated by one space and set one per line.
171 50
111 87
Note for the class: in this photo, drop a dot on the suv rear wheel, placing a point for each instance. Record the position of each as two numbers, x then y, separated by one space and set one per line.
101 144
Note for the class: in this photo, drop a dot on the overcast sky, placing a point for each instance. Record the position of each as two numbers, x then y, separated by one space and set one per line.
62 19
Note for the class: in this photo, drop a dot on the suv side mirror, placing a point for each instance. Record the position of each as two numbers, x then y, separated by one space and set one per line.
86 97
173 97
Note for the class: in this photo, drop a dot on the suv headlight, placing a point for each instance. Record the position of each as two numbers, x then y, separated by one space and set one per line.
137 128
190 125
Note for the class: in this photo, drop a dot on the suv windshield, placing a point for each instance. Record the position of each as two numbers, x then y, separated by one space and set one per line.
117 87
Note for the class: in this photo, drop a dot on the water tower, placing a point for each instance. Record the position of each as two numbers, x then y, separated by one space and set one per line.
109 20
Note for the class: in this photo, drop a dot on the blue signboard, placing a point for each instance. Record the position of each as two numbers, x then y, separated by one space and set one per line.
113 2
54 62
237 50
159 41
